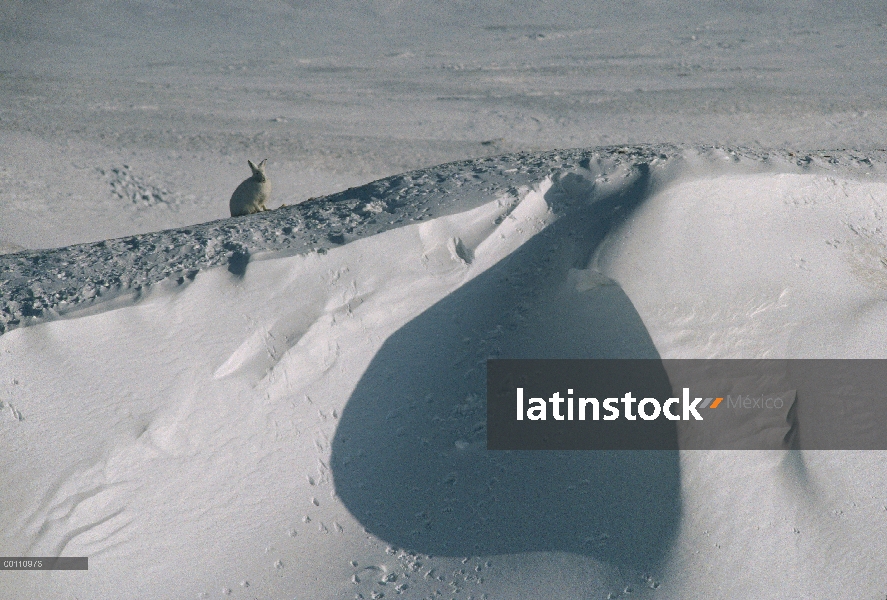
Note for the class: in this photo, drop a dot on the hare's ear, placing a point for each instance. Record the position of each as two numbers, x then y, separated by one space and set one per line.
262 164
252 166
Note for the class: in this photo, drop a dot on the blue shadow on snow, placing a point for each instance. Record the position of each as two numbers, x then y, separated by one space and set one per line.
409 456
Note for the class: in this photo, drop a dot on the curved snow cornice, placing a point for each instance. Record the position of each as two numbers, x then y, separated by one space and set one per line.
46 284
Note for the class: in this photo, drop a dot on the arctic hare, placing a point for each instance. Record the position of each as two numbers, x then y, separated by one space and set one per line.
250 196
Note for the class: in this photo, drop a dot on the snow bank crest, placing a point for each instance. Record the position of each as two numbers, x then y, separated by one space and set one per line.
47 284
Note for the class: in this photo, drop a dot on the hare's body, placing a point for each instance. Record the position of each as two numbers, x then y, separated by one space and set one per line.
250 196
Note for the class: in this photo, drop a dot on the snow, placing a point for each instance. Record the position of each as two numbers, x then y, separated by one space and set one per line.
291 404
800 276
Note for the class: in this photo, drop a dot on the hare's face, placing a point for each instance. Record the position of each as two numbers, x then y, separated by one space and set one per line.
258 170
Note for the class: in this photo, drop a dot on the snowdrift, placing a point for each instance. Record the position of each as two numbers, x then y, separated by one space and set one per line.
291 404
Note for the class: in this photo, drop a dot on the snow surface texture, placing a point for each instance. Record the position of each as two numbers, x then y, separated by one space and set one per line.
289 405
343 92
303 415
41 284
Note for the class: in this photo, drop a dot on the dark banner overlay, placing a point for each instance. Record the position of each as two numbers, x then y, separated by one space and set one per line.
697 404
44 563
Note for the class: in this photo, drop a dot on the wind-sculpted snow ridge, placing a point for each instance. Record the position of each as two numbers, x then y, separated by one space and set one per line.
45 284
